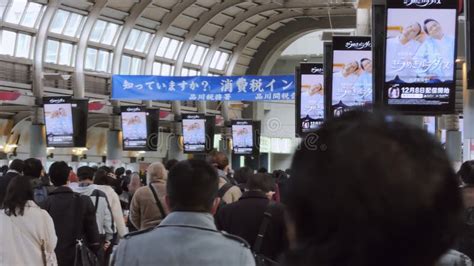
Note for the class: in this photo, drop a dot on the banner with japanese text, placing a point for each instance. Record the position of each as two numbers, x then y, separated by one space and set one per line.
203 88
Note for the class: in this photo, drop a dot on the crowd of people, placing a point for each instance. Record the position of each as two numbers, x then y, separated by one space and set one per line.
371 191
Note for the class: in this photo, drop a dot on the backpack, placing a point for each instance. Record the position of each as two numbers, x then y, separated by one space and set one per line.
221 192
40 194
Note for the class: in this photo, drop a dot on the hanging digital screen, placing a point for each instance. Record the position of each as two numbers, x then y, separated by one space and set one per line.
194 133
58 121
420 56
134 128
351 74
242 137
309 97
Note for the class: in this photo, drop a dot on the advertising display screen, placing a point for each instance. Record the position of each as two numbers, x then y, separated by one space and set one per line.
242 137
134 128
58 122
310 97
420 55
352 73
194 133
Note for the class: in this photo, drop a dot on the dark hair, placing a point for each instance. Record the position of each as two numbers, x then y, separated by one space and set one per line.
362 61
33 167
428 21
19 192
419 32
59 173
262 170
218 159
170 164
128 172
119 171
192 186
106 169
242 174
261 181
368 190
85 173
3 169
279 175
17 165
100 177
466 172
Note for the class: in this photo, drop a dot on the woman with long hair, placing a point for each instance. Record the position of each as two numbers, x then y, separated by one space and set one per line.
26 231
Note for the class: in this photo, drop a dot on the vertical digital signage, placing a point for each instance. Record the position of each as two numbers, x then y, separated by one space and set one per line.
351 73
194 133
134 128
58 121
309 97
242 137
420 56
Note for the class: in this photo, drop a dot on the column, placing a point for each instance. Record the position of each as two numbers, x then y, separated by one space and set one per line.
38 142
453 140
114 143
363 21
468 111
175 151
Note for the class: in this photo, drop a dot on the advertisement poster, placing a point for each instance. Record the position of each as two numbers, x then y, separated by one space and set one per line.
58 122
352 73
310 93
420 57
242 137
134 128
194 133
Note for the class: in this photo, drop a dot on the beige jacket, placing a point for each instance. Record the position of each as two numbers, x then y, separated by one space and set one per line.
24 237
117 212
232 195
144 212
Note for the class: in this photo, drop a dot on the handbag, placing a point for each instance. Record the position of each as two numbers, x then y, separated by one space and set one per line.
83 255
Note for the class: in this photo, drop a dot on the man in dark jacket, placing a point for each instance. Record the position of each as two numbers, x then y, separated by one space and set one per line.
15 169
73 216
244 217
41 185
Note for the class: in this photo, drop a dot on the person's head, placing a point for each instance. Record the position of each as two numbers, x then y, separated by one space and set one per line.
369 189
100 177
17 165
170 164
128 172
351 67
135 183
261 182
59 173
85 173
192 186
366 65
119 171
155 172
466 172
262 170
412 31
279 175
242 174
219 160
19 192
433 28
33 167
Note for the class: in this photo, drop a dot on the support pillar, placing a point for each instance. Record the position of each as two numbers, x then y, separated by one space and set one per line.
363 21
38 142
468 111
175 151
453 140
114 143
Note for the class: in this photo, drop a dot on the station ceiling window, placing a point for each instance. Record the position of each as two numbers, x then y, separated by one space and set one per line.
169 48
61 53
185 72
138 40
196 54
163 69
16 44
66 23
24 13
105 32
131 65
99 60
219 60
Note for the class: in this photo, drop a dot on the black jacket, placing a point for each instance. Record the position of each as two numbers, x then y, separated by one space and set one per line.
243 218
4 181
74 218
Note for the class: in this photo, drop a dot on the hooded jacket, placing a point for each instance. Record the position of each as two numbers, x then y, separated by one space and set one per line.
103 212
